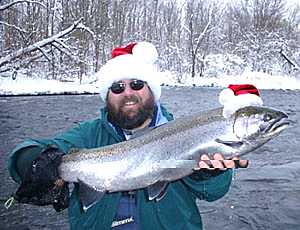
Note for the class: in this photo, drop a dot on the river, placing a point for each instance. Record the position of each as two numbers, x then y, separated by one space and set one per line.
264 196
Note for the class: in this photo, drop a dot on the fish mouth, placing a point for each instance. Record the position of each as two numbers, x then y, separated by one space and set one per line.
278 126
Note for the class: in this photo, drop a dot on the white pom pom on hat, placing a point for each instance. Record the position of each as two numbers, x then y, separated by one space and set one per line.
146 51
134 61
238 96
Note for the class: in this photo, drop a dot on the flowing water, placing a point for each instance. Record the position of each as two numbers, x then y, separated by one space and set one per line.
264 196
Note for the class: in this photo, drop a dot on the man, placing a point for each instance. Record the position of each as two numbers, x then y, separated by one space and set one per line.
130 86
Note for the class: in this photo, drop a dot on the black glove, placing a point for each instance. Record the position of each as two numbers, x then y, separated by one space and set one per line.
40 185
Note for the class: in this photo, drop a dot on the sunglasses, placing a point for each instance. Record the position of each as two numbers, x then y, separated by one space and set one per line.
119 87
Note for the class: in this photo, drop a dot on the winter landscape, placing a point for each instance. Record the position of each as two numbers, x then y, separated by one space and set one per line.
51 50
263 196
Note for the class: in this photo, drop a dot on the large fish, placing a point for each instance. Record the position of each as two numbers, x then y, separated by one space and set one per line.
169 152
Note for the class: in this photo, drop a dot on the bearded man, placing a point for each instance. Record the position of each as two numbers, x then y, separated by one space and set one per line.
130 87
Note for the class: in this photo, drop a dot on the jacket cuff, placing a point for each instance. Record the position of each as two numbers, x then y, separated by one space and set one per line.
22 156
208 187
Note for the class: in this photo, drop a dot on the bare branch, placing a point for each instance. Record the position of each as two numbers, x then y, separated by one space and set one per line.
32 59
62 44
83 27
6 6
202 35
13 26
5 70
38 45
44 53
67 51
23 64
292 63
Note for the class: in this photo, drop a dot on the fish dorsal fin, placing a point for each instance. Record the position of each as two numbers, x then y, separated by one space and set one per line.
89 195
233 144
134 134
158 190
74 150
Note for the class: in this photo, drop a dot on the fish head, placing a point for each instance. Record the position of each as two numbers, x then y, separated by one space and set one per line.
254 125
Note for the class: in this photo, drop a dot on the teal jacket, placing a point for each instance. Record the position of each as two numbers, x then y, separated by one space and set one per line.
177 210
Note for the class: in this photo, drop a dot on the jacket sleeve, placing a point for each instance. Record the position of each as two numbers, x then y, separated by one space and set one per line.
20 159
206 186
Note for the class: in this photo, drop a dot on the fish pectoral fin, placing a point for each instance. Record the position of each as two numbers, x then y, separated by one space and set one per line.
158 190
89 195
233 144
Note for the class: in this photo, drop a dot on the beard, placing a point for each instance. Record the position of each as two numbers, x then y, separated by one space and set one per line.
131 118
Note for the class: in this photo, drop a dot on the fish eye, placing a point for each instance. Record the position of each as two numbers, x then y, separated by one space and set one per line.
267 117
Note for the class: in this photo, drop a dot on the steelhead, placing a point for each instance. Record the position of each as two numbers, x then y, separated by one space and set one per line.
168 152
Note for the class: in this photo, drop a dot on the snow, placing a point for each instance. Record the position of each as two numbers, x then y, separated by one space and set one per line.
23 85
260 80
36 86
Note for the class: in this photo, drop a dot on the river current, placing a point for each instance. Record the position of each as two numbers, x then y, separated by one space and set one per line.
264 196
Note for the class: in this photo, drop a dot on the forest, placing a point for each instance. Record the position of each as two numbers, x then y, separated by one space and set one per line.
60 39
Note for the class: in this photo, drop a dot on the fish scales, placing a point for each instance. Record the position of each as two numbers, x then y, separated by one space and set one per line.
167 130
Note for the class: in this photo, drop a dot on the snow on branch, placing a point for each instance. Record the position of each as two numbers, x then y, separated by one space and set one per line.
83 27
6 6
202 35
44 53
38 45
13 26
66 50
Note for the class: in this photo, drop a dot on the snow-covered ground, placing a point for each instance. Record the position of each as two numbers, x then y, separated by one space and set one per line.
29 86
260 80
34 86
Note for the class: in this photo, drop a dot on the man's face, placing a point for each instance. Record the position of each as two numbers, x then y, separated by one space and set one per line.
130 108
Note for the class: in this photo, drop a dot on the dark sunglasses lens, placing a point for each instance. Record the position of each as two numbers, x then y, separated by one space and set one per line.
137 84
117 87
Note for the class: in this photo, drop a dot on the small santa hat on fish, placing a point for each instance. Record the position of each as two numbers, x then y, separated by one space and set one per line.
133 61
238 96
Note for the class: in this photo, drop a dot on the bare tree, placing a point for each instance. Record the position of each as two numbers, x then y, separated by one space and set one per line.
255 31
39 46
185 34
199 25
169 37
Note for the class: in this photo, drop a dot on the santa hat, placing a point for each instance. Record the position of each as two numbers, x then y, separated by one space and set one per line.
134 61
238 96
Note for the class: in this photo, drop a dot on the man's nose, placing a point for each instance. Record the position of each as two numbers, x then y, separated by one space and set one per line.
128 90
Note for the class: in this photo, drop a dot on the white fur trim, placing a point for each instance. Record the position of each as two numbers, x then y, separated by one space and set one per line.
232 103
131 66
226 95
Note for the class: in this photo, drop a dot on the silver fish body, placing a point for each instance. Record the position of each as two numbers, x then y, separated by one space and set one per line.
171 151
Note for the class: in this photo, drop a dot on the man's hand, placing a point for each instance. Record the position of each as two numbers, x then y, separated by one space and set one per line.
42 185
217 161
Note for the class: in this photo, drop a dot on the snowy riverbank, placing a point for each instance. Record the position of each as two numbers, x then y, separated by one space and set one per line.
23 85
